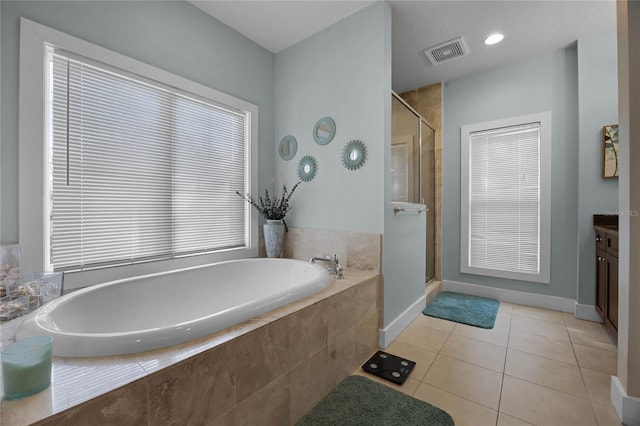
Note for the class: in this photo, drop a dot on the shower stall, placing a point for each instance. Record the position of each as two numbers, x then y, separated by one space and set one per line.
413 178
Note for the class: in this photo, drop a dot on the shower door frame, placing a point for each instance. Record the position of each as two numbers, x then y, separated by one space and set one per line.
422 120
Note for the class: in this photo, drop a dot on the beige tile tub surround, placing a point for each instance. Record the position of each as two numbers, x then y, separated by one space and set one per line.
269 371
354 249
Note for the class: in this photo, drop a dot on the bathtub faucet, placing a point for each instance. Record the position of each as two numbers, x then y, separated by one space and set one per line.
334 268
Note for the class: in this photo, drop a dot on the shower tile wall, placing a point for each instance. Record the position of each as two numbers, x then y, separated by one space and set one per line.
270 376
427 101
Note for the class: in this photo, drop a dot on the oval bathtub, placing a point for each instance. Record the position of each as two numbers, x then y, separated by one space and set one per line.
161 310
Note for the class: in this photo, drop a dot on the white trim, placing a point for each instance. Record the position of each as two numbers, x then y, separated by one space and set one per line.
32 148
402 321
544 274
586 312
554 303
627 407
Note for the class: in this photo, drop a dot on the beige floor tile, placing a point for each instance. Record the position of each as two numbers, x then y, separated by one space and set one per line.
502 320
598 385
469 381
544 371
540 328
424 337
537 313
559 350
572 322
476 352
594 338
504 420
606 415
408 387
505 308
596 359
543 406
498 335
422 357
437 323
463 411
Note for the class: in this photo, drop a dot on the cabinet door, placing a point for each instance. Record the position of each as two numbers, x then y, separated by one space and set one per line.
612 292
601 282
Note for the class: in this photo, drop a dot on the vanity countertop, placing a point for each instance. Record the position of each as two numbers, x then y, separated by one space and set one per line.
606 222
607 228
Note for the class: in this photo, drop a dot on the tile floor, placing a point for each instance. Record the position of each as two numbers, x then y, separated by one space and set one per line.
535 367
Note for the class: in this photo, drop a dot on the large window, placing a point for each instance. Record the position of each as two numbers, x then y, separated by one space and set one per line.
505 198
135 164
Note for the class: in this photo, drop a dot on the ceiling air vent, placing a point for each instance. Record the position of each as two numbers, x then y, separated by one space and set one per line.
446 51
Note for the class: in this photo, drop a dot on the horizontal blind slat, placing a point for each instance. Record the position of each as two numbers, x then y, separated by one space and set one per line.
504 199
140 171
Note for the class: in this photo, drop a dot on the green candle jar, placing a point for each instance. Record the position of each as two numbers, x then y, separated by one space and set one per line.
26 367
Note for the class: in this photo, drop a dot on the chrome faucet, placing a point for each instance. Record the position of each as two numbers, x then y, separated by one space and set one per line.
334 268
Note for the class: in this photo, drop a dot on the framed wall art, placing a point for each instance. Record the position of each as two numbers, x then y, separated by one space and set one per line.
610 151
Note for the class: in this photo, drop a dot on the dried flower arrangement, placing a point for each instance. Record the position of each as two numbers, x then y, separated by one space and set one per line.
272 207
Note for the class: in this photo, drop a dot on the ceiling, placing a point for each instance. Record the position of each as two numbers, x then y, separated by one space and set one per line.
530 28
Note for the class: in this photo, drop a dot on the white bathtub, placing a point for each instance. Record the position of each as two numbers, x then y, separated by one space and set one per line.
160 310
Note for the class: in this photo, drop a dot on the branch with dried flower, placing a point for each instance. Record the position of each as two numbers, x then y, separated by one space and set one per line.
272 207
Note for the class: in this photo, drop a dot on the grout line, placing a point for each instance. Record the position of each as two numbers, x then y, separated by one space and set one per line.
460 396
550 388
504 367
593 410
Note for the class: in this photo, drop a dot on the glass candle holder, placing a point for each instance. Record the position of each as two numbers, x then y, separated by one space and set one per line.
26 367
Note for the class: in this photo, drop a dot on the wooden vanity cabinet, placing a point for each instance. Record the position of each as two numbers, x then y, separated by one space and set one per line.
607 277
611 313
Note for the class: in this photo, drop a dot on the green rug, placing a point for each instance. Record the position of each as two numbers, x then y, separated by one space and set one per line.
360 401
472 310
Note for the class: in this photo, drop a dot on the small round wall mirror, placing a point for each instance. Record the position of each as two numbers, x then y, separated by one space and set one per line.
307 168
354 154
324 131
288 147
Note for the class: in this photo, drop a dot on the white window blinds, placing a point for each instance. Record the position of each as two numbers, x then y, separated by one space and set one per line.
504 199
139 170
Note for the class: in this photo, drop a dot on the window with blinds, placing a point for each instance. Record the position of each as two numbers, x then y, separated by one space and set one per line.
139 170
504 207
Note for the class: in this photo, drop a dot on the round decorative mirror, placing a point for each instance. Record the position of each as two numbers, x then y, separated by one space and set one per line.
288 147
307 168
354 154
324 131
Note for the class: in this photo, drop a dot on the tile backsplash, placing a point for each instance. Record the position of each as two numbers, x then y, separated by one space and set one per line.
354 249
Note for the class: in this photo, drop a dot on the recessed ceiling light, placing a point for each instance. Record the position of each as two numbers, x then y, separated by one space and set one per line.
494 38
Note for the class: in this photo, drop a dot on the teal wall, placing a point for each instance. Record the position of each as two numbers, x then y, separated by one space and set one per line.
545 83
598 106
339 72
172 35
345 72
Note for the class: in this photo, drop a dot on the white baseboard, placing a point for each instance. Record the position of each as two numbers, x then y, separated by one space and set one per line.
627 407
555 303
402 321
586 312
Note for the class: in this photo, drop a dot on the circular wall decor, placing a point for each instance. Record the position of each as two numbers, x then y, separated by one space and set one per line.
354 154
288 147
324 131
307 168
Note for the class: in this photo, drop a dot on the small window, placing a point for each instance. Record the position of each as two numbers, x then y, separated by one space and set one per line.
505 198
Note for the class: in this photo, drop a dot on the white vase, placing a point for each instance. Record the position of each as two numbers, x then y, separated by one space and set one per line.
274 237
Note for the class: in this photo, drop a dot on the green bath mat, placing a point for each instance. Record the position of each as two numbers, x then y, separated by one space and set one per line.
358 401
472 310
